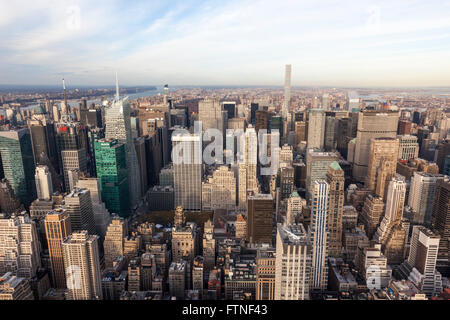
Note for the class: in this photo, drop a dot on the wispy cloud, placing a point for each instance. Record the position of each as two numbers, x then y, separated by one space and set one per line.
225 42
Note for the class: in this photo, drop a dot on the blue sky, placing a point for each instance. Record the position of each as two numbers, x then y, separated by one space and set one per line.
193 42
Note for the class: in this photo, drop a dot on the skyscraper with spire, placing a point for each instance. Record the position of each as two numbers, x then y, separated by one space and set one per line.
118 126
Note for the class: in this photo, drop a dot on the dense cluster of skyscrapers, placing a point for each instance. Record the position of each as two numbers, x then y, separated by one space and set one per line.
97 203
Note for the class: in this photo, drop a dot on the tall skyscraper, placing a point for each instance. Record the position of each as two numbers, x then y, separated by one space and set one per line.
187 171
42 131
371 124
421 196
260 218
382 164
72 146
319 235
102 216
43 179
247 166
118 126
335 179
82 266
316 129
18 163
57 229
210 114
440 223
78 205
287 91
110 159
292 263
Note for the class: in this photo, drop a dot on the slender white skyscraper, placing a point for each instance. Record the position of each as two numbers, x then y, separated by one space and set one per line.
319 235
287 90
118 126
43 179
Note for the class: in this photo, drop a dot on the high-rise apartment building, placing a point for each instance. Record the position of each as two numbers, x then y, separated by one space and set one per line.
82 266
287 91
292 263
319 235
57 229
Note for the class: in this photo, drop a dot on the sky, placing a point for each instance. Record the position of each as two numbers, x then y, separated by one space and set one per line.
236 42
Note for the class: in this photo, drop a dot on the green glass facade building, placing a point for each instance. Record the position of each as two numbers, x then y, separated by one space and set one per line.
18 163
111 166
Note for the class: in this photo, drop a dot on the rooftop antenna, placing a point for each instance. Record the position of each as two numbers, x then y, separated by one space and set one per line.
117 88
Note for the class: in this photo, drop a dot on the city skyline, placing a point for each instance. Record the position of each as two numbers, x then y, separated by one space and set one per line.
327 44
